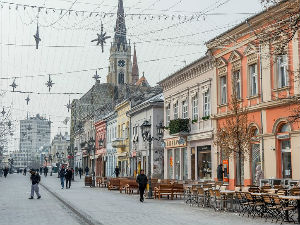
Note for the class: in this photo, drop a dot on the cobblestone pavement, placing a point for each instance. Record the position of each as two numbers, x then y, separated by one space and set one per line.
100 206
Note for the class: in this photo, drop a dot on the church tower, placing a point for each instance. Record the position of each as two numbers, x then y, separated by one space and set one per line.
120 65
135 68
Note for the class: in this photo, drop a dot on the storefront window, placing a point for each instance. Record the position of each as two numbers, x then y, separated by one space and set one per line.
170 164
185 166
204 162
286 159
177 164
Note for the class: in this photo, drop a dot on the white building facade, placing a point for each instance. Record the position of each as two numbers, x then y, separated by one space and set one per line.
189 100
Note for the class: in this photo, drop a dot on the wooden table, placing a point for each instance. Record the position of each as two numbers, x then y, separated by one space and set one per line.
293 198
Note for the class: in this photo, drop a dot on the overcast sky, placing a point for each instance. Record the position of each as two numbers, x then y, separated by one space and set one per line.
165 42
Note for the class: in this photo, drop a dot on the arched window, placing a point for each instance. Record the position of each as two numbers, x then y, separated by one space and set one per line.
121 78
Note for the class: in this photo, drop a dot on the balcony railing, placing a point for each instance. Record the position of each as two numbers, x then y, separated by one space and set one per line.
118 143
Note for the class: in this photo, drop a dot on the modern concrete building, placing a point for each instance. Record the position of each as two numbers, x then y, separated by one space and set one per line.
35 133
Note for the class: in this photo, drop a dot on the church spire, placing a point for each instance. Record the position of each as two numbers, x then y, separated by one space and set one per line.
135 68
120 29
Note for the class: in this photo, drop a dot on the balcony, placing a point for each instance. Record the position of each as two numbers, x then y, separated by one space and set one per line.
118 143
179 127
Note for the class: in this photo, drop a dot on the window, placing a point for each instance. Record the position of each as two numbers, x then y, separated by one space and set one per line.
223 91
175 109
168 115
121 78
206 103
195 107
237 83
184 110
282 76
253 80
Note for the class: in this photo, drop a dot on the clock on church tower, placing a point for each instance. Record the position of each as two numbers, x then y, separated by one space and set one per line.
121 63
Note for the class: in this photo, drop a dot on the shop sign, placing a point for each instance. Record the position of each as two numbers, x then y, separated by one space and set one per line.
204 148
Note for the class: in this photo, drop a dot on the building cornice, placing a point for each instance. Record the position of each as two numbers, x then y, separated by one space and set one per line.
189 72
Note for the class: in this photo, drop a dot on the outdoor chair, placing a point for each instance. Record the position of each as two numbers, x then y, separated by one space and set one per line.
255 205
200 197
242 203
283 210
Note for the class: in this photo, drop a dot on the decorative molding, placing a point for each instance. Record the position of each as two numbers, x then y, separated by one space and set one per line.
250 49
235 56
222 70
221 62
252 58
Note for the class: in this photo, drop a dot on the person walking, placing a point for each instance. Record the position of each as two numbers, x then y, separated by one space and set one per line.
35 180
76 171
5 172
80 172
220 172
62 174
41 170
25 171
142 181
45 171
86 170
117 171
69 175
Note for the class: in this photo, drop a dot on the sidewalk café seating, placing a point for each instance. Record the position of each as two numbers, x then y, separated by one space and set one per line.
283 210
163 189
177 190
131 186
88 181
98 181
173 190
104 182
255 205
242 203
114 184
295 191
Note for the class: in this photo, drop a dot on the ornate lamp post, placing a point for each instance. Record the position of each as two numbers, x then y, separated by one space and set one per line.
146 133
101 144
50 159
91 147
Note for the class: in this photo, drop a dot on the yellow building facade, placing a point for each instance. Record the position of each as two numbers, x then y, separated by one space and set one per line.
121 143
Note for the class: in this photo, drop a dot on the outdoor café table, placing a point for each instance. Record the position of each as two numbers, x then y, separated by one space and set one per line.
229 194
296 198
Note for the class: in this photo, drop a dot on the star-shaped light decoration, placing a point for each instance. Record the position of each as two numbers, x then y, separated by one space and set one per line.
37 37
14 85
9 124
101 39
27 99
49 83
3 112
69 105
96 76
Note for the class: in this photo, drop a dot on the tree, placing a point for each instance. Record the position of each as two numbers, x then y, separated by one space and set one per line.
233 136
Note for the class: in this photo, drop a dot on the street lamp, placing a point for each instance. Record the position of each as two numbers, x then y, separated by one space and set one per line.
146 134
91 147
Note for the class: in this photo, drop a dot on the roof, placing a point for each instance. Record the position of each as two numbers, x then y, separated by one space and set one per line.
243 23
142 81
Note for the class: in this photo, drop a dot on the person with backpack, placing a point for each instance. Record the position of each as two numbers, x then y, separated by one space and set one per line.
35 180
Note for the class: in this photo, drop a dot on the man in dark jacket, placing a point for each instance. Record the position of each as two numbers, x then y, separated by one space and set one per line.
86 170
117 171
80 172
62 174
68 177
5 172
220 172
142 180
45 171
35 180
